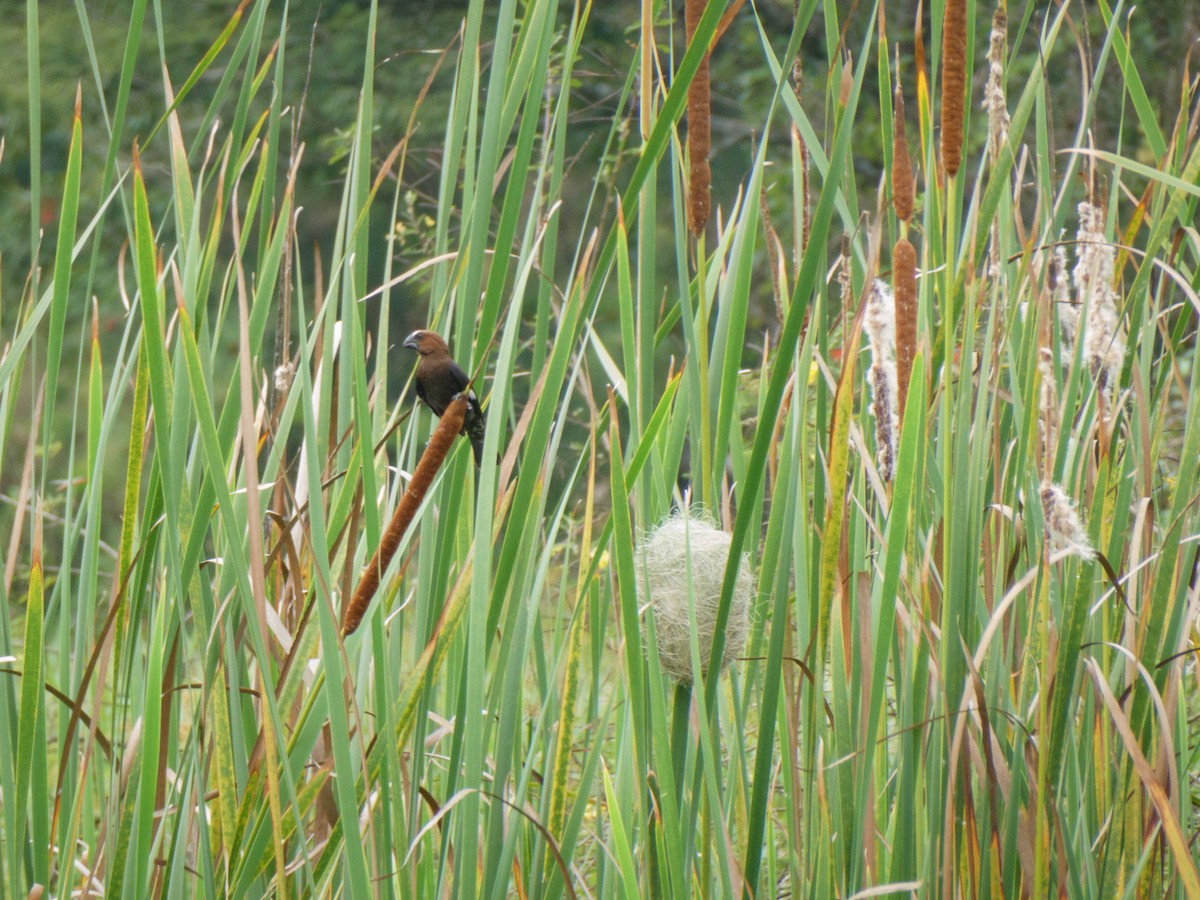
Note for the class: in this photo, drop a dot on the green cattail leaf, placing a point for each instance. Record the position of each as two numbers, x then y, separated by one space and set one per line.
223 756
621 550
121 857
133 481
95 400
151 304
63 252
839 464
1148 116
33 708
620 842
907 485
202 66
563 739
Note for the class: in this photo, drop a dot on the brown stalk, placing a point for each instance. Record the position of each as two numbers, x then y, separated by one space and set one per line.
774 257
904 276
954 83
801 213
699 133
902 173
439 445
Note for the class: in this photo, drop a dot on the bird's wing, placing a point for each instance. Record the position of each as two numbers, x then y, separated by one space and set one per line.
461 382
460 377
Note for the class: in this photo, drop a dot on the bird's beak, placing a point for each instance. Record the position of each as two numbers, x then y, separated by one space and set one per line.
411 341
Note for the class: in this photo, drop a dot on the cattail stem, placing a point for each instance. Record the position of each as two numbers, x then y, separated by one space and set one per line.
439 445
699 132
954 83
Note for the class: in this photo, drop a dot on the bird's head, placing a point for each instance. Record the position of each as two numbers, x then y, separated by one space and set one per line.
426 342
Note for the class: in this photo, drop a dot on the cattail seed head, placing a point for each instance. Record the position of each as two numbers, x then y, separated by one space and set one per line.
1105 347
1063 526
902 172
1104 342
995 103
1094 257
879 319
1060 294
904 277
440 442
699 132
775 257
879 322
1048 399
681 566
845 286
954 83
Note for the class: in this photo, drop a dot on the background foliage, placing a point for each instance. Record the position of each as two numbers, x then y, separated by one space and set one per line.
210 256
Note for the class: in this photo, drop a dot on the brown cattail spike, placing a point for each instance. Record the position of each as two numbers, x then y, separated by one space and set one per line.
699 134
904 275
902 173
439 445
954 83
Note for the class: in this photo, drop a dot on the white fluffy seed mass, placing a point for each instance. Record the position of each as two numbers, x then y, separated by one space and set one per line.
995 103
1104 344
1063 525
681 563
879 322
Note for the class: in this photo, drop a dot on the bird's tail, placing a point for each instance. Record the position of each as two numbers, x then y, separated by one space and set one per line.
474 429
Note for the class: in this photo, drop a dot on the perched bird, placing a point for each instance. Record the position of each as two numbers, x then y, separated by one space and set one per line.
439 378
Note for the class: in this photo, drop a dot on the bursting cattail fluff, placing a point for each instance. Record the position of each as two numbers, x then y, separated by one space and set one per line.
1063 527
1104 344
1060 294
879 322
1048 399
681 567
995 103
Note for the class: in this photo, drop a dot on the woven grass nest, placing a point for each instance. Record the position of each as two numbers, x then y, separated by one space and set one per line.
682 561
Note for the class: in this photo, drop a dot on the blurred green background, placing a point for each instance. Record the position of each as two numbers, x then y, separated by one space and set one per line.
328 35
